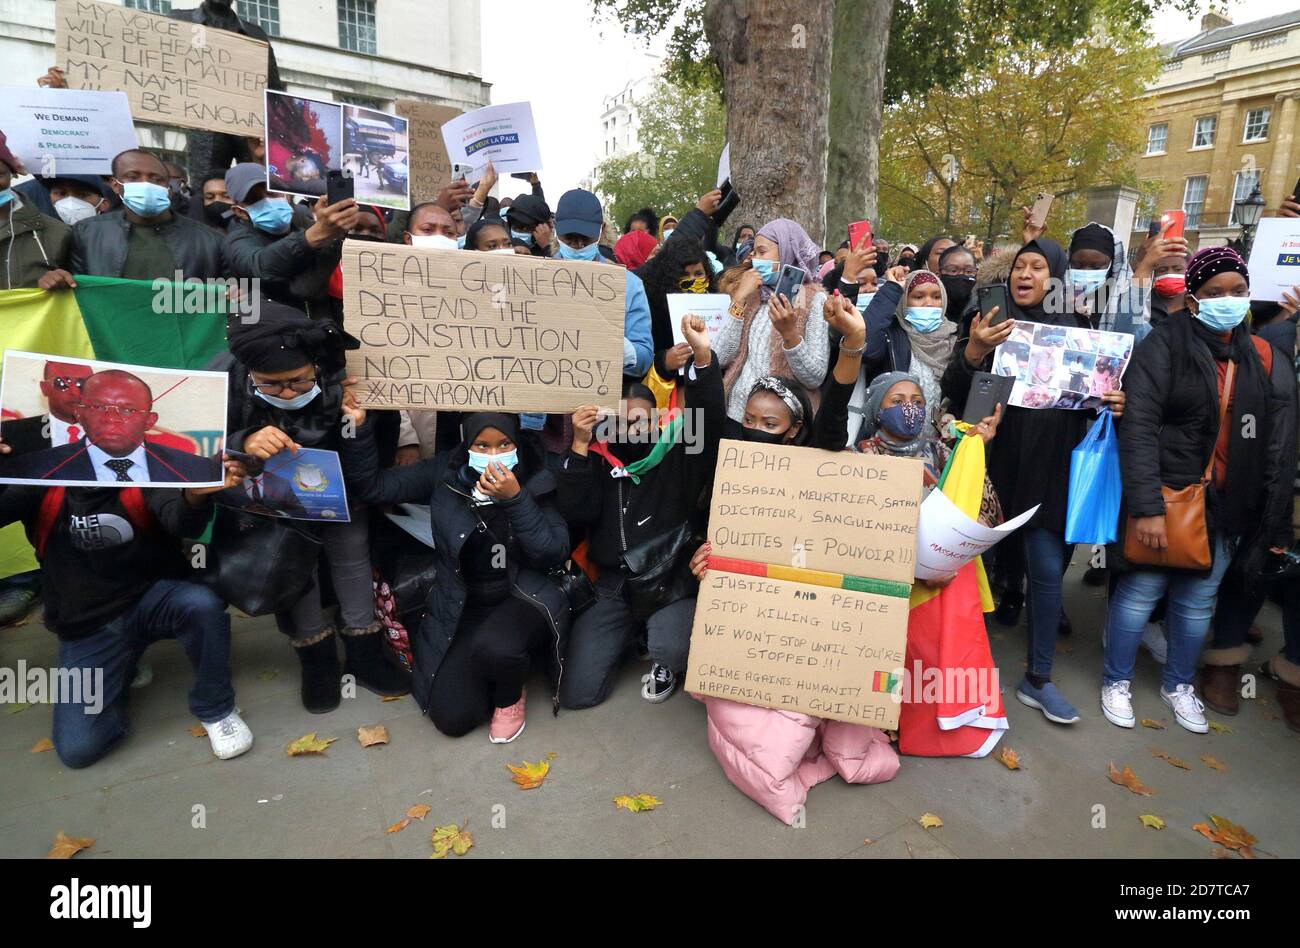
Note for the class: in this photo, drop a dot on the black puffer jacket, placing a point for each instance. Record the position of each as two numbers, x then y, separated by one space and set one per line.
291 270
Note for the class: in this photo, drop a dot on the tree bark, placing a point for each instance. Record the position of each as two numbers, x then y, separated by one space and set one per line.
775 62
859 53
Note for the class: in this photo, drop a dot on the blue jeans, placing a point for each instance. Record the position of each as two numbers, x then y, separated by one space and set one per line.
85 729
1187 621
1046 557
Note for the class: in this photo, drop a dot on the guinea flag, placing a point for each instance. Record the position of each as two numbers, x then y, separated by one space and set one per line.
952 704
139 322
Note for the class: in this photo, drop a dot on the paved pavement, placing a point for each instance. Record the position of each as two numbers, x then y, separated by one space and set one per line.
141 800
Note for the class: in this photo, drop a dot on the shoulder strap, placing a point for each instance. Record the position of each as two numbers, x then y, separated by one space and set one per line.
137 510
1229 378
46 517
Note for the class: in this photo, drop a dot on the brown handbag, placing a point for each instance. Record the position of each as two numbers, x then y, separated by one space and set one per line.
1186 533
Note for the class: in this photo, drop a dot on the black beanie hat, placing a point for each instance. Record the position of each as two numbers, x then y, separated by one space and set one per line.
508 425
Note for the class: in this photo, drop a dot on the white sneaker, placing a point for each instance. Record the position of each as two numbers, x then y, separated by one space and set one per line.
230 736
1117 704
1188 710
1154 641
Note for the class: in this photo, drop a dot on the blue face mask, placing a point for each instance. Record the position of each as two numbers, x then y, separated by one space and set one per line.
291 404
903 421
523 235
6 196
146 199
1224 313
479 461
924 318
1087 280
271 215
863 301
766 269
589 252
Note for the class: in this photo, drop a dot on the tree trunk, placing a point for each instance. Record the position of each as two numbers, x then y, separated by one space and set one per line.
775 62
861 46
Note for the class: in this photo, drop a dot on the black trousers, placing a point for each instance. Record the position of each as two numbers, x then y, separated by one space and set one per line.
487 663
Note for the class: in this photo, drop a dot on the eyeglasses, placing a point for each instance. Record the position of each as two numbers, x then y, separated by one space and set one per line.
126 414
957 271
62 383
301 386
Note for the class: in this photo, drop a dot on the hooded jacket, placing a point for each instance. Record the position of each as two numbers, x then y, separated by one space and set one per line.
31 245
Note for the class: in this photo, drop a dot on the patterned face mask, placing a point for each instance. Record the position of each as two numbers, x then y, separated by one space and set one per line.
905 420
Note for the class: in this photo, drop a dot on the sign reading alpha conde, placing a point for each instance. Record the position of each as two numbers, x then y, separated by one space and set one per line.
461 330
173 72
835 511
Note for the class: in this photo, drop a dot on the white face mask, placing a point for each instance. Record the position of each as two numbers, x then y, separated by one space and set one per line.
72 209
509 250
433 242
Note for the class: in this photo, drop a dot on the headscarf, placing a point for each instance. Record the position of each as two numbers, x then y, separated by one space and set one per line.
876 392
1209 262
473 424
664 220
633 248
934 349
1093 236
794 248
770 383
283 338
1057 263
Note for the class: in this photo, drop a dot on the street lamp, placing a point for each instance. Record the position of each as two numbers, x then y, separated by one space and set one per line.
1247 211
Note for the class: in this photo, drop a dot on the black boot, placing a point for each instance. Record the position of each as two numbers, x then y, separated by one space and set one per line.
366 660
1008 610
321 690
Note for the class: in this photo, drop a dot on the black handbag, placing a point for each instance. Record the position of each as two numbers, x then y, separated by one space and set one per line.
259 564
576 585
657 572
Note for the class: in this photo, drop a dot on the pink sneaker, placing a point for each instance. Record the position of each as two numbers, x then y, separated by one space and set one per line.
507 723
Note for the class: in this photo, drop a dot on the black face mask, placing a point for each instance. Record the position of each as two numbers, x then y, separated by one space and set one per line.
959 289
632 450
762 437
213 214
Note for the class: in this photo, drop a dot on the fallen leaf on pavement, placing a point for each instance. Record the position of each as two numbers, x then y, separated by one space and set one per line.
1213 764
43 745
419 811
1129 780
867 842
372 734
308 744
1221 853
1152 822
1173 761
1269 716
399 826
65 846
450 839
1228 835
1218 728
267 675
392 697
16 707
1152 723
196 731
929 821
529 776
638 803
1008 758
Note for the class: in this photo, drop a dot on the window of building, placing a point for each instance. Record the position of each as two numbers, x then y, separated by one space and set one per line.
1203 136
365 101
150 6
1242 185
1267 42
265 13
1194 200
1218 56
1257 125
357 26
1157 135
1146 210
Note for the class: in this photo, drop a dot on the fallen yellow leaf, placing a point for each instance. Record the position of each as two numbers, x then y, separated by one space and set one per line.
450 839
371 734
196 731
1129 780
1008 758
308 744
65 846
1228 835
392 697
1218 728
1152 723
638 803
1152 822
1213 764
929 821
419 811
399 826
529 776
43 745
1180 764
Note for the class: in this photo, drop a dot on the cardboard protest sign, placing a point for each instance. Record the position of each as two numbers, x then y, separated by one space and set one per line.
1062 366
302 485
75 422
1275 258
502 134
66 131
947 539
428 164
457 329
173 72
833 653
839 512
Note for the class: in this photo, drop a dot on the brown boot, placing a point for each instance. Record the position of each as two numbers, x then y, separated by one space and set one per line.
1221 677
1287 675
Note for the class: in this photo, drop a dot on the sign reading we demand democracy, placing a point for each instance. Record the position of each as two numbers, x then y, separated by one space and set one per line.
805 604
173 72
469 331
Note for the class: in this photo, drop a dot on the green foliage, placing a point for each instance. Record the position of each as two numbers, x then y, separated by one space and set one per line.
682 133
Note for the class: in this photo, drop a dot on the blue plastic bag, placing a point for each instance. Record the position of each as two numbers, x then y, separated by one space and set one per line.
1095 489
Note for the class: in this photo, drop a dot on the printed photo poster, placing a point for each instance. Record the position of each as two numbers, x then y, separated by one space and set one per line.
502 134
75 422
1062 366
376 152
306 485
304 142
66 131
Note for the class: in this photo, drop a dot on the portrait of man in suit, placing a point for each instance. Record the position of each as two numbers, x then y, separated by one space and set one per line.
114 412
264 493
61 387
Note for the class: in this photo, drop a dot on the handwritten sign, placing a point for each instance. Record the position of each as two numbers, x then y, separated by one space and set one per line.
430 168
456 329
836 511
173 72
833 653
